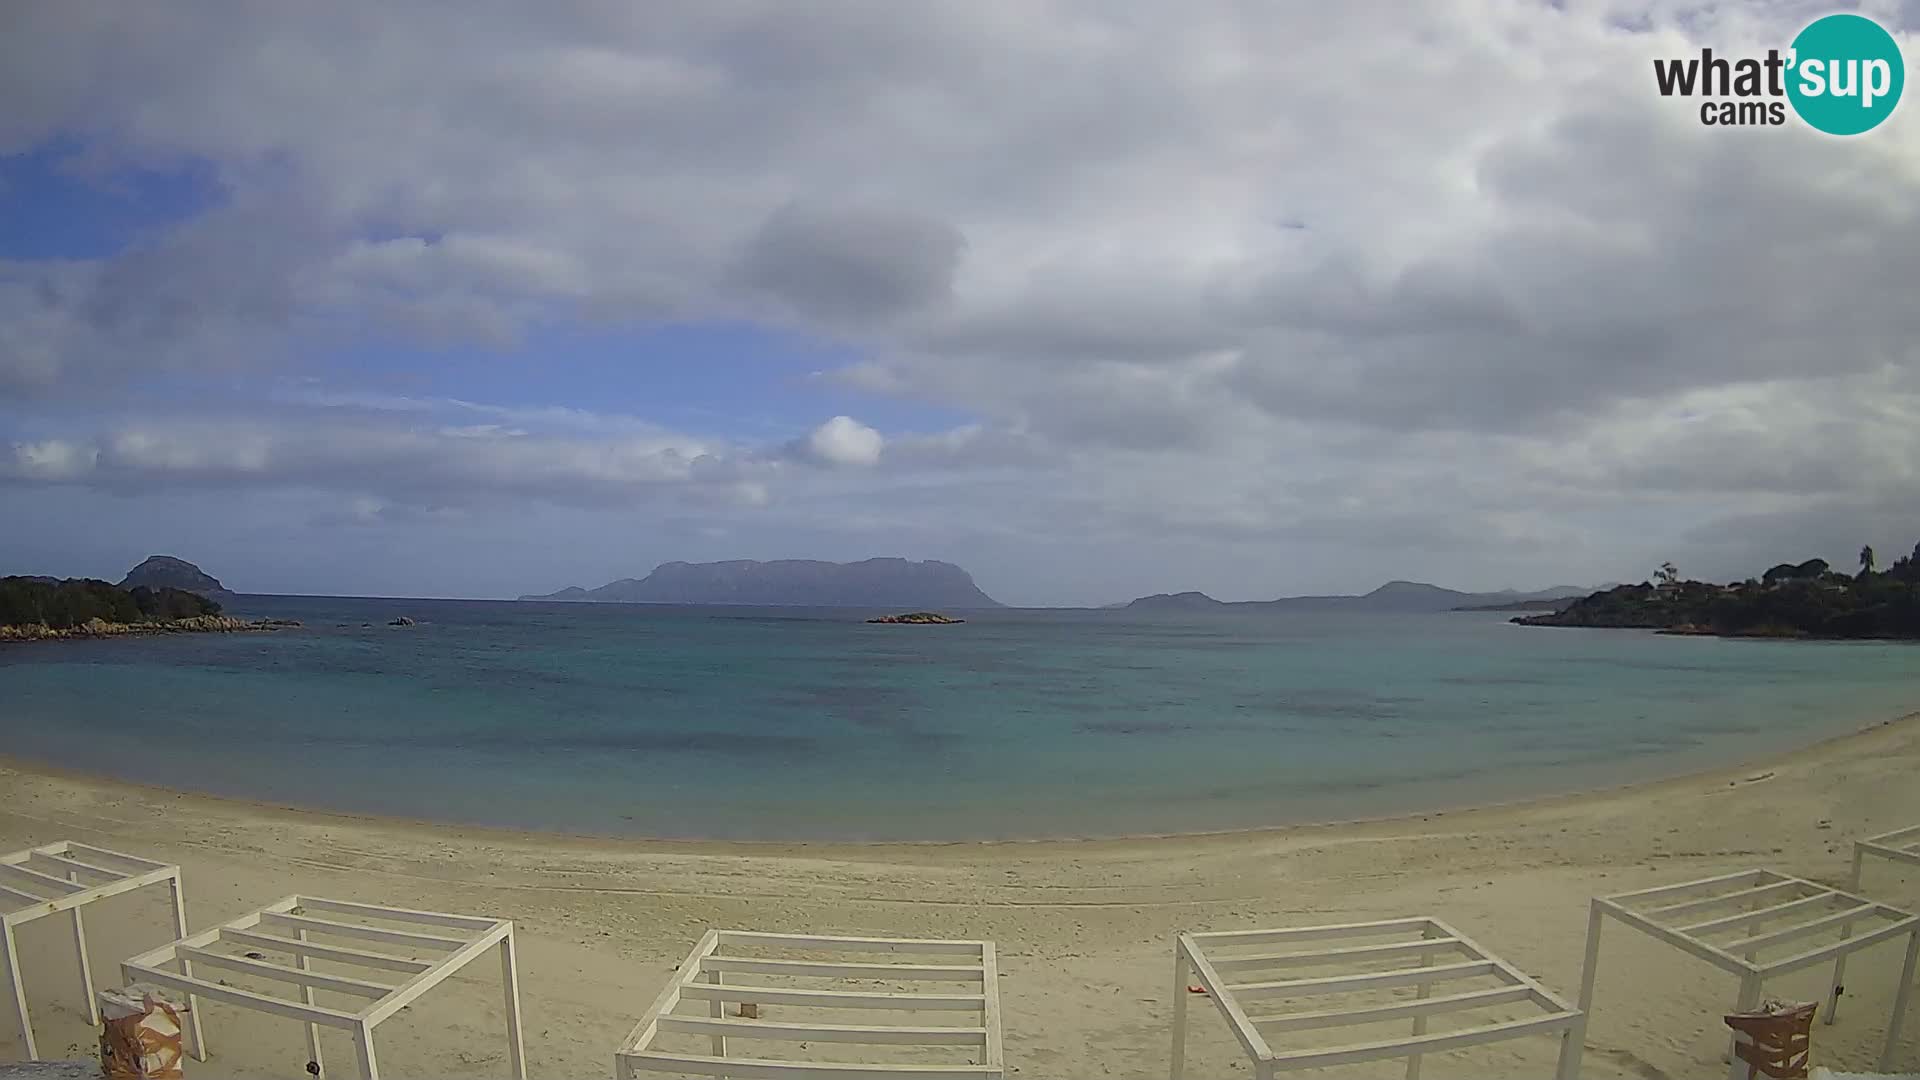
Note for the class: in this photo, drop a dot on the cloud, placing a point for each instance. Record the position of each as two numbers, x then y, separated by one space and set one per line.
1453 286
391 460
50 461
843 441
845 265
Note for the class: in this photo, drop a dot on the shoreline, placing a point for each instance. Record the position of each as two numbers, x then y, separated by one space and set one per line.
11 763
97 630
1083 927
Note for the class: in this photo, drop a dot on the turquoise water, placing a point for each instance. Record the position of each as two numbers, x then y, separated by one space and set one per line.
806 724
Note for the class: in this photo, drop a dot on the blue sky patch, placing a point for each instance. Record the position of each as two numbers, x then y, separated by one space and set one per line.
54 204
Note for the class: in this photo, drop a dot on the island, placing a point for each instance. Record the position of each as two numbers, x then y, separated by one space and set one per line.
1393 598
1538 604
170 572
869 583
923 618
39 608
1792 600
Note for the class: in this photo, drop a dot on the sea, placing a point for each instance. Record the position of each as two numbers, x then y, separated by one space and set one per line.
788 724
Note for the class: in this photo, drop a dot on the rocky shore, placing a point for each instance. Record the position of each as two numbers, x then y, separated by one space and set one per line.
99 628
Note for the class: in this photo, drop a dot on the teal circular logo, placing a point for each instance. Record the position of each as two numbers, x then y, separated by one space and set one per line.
1846 74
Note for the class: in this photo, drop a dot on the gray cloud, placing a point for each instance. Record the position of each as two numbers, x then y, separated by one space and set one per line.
1453 279
845 265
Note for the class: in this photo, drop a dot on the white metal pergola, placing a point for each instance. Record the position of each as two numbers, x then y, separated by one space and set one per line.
432 946
67 876
1418 952
860 987
1732 921
1900 846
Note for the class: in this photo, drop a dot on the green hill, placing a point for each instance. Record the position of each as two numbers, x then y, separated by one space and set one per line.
61 605
1804 599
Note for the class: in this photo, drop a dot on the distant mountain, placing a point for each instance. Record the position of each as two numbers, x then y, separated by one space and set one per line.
1181 601
167 572
876 583
1539 603
1393 597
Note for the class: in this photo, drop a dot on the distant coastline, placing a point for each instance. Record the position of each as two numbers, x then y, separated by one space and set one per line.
1395 597
1791 600
163 595
869 583
97 628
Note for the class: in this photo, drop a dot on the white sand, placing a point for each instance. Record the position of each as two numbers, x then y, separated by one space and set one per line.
1083 927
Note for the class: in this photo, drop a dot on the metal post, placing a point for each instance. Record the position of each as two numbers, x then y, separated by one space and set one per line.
186 968
510 979
363 1049
1846 931
1749 1000
19 991
306 995
1420 1021
1574 1041
80 954
1900 997
1182 971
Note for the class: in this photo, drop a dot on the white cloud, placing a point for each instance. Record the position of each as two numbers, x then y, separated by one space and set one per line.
845 441
50 460
388 459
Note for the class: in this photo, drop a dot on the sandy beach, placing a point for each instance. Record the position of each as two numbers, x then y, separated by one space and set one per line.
1083 928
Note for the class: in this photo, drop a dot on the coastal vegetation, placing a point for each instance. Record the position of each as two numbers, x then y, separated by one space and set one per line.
1800 600
61 605
43 609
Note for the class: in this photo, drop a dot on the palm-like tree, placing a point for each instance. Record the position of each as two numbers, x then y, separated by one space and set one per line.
1866 560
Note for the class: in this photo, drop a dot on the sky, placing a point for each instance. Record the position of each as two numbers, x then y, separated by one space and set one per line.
1095 298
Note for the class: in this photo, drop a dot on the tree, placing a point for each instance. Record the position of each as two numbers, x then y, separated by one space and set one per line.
1866 560
1668 574
64 604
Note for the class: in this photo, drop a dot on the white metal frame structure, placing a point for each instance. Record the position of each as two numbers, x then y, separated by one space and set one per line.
1420 952
1731 920
706 975
1900 845
433 947
66 876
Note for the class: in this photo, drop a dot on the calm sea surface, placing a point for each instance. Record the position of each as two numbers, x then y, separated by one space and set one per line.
810 724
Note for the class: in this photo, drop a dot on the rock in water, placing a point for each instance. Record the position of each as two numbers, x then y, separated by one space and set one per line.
931 618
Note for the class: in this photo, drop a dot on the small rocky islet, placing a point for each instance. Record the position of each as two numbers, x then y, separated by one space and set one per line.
919 618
